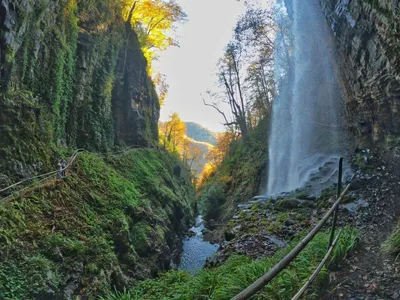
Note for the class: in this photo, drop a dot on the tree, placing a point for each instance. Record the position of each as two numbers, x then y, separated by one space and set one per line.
245 73
153 21
172 133
191 154
217 154
162 87
260 83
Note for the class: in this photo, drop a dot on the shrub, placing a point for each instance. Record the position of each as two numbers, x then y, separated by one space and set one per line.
211 201
392 244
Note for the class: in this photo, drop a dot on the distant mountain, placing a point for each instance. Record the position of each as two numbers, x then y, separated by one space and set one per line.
202 139
201 159
201 134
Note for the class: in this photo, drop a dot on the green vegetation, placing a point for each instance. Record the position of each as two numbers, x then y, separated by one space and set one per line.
238 272
107 220
64 66
211 199
57 91
392 244
393 141
238 173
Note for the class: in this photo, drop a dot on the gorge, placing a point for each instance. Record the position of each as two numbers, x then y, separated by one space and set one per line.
304 82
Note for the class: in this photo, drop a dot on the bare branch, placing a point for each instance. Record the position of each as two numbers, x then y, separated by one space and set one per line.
227 123
131 12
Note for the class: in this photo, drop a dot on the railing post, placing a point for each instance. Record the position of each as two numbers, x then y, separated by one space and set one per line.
339 189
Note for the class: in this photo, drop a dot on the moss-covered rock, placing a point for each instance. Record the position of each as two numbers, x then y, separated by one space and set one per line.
286 204
111 221
73 74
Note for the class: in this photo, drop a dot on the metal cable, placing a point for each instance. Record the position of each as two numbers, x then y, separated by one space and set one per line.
71 160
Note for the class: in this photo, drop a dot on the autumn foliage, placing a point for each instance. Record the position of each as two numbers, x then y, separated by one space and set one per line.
153 21
173 138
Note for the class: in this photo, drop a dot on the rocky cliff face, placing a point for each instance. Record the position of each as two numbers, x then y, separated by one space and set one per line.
72 74
367 35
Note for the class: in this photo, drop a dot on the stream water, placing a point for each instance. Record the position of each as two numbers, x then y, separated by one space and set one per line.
196 250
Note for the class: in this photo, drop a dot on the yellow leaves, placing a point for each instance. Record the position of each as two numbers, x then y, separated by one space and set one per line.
153 21
172 133
208 169
162 87
71 7
217 154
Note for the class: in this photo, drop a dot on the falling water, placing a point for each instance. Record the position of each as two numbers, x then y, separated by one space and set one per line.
306 120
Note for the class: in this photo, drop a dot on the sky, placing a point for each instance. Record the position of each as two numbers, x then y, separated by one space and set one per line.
190 68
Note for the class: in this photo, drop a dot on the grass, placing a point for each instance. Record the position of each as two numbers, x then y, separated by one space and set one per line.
392 244
96 226
238 272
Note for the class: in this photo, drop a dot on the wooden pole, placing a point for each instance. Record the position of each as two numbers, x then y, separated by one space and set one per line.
339 188
317 270
267 277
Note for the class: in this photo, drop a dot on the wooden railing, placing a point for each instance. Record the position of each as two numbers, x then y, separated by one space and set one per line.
274 271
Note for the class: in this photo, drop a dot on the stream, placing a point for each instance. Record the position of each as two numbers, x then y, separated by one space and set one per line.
195 250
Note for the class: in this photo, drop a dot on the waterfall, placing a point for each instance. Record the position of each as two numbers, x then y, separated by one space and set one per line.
306 120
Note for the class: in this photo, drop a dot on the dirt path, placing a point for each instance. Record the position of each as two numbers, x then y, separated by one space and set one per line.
370 273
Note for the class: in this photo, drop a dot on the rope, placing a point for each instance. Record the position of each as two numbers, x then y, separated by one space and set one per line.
71 160
42 175
27 187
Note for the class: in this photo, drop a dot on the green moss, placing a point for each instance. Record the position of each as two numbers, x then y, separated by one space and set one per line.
393 141
302 195
69 73
95 224
286 204
142 236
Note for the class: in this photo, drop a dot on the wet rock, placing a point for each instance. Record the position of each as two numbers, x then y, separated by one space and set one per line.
73 282
285 204
353 207
119 280
211 224
177 171
230 234
370 67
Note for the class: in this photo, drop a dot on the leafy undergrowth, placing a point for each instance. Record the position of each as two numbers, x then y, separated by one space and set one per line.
110 221
238 178
238 272
392 244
